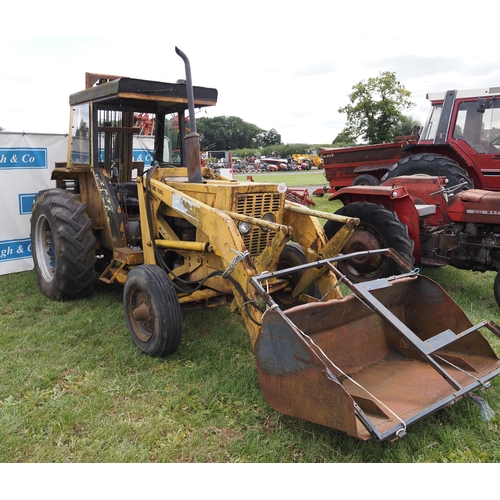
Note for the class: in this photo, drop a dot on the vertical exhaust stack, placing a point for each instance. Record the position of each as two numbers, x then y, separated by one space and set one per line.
192 140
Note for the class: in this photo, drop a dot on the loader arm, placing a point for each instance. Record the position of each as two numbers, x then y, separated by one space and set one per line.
225 242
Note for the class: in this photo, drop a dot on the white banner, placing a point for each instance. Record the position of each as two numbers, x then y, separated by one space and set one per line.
26 162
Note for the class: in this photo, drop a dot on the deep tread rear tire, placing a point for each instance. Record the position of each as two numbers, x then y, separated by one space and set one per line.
152 310
379 228
430 164
63 245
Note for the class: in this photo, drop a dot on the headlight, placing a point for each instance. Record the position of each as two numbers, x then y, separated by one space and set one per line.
244 227
269 218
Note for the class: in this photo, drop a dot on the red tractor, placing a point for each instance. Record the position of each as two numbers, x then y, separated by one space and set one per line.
426 220
460 140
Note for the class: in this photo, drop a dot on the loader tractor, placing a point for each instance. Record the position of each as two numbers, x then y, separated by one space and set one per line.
179 237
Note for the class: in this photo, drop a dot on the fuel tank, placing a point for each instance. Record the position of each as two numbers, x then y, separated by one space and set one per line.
475 205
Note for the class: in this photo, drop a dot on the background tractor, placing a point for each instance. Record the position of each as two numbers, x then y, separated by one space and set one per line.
427 221
178 237
460 141
311 158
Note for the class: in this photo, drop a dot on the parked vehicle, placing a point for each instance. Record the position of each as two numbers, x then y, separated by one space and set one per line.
460 140
179 237
426 220
311 158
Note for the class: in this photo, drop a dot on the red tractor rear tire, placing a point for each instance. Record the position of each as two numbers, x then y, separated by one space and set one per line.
430 164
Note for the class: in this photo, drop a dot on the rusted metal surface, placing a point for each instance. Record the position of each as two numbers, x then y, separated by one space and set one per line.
371 367
192 142
363 239
343 165
299 196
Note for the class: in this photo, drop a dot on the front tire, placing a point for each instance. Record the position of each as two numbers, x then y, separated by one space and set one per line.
152 310
291 256
430 164
63 245
379 228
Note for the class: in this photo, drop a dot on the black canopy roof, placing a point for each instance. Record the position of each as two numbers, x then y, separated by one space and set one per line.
130 94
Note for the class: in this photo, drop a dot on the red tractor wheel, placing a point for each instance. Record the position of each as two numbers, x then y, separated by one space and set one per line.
379 228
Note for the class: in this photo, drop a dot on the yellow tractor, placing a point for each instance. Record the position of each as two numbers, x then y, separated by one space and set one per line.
310 158
180 237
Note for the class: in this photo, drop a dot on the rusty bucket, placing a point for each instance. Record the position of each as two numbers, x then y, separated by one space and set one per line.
374 362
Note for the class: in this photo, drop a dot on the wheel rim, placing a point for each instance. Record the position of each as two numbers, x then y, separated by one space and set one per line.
367 266
44 247
140 314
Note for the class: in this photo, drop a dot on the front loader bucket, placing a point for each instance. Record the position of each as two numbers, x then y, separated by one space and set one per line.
373 362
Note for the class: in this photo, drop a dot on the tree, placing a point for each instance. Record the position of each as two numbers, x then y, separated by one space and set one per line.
344 139
270 138
228 132
376 106
407 125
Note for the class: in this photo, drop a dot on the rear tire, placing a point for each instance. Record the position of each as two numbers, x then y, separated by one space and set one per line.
430 164
379 228
152 310
63 245
365 180
291 256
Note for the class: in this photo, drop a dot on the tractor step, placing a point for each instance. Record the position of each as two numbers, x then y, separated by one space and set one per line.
122 257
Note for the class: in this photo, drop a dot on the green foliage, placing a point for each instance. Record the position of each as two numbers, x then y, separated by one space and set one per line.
375 107
172 133
344 139
270 138
407 125
230 133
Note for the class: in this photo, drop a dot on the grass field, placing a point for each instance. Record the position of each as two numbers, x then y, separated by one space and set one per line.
75 389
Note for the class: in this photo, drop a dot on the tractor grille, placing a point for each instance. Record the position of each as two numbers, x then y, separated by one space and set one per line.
257 205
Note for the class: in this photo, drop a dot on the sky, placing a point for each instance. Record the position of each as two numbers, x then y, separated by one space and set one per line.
283 65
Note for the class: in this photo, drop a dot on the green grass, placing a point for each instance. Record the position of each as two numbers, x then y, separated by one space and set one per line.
75 389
